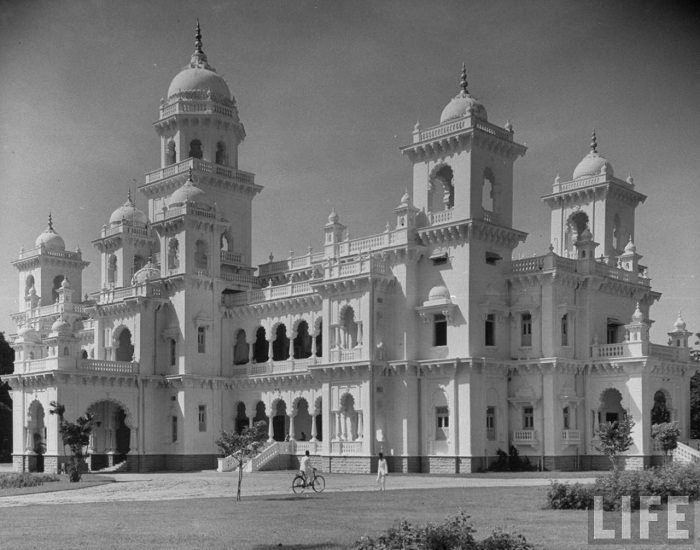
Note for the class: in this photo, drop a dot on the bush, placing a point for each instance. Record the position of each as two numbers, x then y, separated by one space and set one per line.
511 462
563 496
455 533
670 480
16 481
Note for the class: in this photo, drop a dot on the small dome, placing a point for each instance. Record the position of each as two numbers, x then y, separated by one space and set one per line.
679 325
462 105
630 247
439 293
585 236
592 165
200 79
129 213
333 217
61 327
50 240
28 334
190 193
149 272
637 316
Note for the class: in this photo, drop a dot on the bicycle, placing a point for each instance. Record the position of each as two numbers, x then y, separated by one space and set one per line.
317 483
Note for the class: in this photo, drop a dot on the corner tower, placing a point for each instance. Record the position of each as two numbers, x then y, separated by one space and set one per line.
200 131
596 200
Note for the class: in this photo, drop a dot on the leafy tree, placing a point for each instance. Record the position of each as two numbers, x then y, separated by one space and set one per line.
667 435
7 359
243 446
615 439
75 435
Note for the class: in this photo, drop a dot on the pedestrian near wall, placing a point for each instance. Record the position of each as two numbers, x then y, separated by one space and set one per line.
382 472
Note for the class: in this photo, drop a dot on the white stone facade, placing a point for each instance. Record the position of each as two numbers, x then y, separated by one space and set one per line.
427 342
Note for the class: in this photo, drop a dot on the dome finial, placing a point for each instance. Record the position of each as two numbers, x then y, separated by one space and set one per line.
594 142
463 81
128 196
199 58
50 221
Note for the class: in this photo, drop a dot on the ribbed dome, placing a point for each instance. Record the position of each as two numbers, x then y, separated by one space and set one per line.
463 105
129 213
148 272
439 293
630 247
592 165
679 325
50 239
190 193
199 79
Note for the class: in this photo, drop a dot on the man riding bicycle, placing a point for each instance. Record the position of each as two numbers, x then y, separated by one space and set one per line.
305 468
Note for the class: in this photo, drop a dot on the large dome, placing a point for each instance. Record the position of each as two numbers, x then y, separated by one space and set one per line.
463 104
199 79
593 164
50 240
129 213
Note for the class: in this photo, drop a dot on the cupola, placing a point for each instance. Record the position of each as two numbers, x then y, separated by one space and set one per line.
50 240
463 104
593 164
149 272
128 213
189 193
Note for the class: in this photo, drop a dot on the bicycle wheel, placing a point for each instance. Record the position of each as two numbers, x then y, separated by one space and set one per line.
319 484
298 485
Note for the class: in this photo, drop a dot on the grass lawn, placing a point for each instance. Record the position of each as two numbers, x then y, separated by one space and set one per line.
328 520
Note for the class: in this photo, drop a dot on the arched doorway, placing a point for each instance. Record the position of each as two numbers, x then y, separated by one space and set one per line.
125 348
611 409
302 420
36 437
317 428
280 421
660 412
110 440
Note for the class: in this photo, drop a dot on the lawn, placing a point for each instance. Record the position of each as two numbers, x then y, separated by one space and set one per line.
328 520
63 484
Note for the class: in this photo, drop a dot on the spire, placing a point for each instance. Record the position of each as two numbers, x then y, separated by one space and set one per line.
128 196
594 143
199 58
463 81
50 222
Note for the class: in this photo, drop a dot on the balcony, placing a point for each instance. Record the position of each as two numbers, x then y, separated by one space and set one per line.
111 295
183 167
571 436
345 355
525 437
347 448
231 258
97 366
275 367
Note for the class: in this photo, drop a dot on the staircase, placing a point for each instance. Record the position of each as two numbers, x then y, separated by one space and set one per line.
115 469
268 454
685 454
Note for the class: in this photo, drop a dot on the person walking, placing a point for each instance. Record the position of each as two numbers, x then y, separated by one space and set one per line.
382 472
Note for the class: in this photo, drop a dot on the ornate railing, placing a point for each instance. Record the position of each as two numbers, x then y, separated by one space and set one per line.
189 106
525 436
610 350
275 367
686 454
443 216
239 176
345 355
231 257
108 367
28 253
110 295
271 293
571 436
527 265
620 274
346 447
442 130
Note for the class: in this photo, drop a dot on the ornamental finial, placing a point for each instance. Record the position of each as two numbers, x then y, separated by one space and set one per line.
50 221
594 142
189 174
128 196
198 39
463 81
199 58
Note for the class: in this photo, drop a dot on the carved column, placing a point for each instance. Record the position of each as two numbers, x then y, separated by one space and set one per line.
291 346
359 333
28 446
270 430
133 441
360 424
313 345
270 354
337 425
291 424
313 427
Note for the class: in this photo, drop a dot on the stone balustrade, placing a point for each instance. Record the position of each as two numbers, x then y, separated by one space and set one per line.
525 436
99 366
183 167
571 436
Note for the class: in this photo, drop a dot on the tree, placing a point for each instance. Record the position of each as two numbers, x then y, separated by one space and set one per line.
7 359
695 405
243 446
667 435
75 435
615 439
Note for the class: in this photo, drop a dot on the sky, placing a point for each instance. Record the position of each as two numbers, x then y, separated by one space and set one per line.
328 92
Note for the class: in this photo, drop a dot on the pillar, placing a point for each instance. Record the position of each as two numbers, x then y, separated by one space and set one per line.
291 424
338 433
313 427
270 430
360 425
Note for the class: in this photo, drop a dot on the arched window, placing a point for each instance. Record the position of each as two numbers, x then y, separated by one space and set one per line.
57 280
84 354
226 243
139 262
578 222
490 330
112 269
240 349
280 347
221 153
28 284
441 188
66 352
348 328
171 154
125 349
201 255
173 351
660 413
566 416
319 338
195 149
487 191
201 339
565 330
261 348
526 329
173 254
302 341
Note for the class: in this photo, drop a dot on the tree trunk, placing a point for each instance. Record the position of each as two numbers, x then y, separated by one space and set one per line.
240 480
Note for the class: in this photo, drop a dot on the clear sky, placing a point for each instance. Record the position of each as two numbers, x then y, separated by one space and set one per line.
328 91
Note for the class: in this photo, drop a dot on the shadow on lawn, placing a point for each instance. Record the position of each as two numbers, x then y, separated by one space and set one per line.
285 498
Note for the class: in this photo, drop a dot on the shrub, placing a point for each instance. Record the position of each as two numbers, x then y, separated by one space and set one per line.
16 481
511 462
454 533
670 480
563 496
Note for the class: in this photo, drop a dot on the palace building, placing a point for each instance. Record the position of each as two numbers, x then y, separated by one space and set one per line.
428 341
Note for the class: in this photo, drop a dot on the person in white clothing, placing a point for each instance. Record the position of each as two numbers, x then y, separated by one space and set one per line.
305 468
382 472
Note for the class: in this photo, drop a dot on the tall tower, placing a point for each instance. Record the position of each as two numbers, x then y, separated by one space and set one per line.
596 200
200 131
